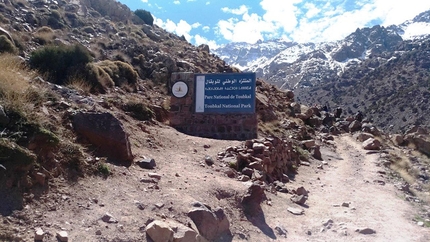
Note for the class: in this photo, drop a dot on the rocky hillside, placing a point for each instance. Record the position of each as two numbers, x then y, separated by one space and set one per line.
305 68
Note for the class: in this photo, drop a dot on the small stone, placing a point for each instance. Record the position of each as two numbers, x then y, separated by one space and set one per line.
63 236
159 205
295 211
299 199
108 218
328 222
243 178
345 204
209 161
147 163
98 232
206 146
38 234
365 231
154 175
420 223
281 231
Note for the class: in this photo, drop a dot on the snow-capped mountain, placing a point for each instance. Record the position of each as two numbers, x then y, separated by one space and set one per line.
291 65
383 71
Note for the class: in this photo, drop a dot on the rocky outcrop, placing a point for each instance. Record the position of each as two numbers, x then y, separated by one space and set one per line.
265 159
105 132
211 224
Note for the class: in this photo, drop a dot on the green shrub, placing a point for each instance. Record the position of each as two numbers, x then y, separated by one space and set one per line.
145 16
138 110
6 45
103 169
61 62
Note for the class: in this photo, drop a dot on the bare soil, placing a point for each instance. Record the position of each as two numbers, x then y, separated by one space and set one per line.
350 176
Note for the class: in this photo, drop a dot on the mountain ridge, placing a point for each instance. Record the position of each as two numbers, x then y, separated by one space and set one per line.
313 66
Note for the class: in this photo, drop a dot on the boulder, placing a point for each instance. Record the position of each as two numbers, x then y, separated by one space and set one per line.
212 225
106 132
421 142
159 231
371 144
252 199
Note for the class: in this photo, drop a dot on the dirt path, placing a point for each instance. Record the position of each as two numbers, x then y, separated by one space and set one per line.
351 177
348 177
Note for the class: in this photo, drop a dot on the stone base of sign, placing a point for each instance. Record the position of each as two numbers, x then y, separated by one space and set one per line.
217 126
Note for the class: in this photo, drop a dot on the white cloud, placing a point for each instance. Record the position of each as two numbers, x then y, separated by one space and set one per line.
180 28
145 1
206 28
198 39
176 2
207 3
238 11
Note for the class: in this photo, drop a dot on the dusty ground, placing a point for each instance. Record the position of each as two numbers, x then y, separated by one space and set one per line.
348 177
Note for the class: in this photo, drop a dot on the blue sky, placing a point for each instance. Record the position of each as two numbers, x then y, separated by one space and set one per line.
217 22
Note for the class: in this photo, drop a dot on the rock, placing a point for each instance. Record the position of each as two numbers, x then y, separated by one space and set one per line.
299 199
256 166
183 233
108 218
154 175
281 231
98 232
147 163
420 223
295 211
296 107
397 139
38 234
106 132
421 142
243 178
345 204
301 191
4 119
308 143
363 136
212 225
63 236
159 205
371 144
159 231
40 178
258 148
365 231
315 152
252 199
209 161
355 126
247 171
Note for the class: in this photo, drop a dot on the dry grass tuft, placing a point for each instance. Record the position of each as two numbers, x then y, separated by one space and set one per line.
80 85
14 81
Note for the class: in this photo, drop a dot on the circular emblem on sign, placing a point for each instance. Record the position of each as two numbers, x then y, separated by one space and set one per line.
179 89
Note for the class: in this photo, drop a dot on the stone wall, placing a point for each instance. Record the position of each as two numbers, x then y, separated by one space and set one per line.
219 126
